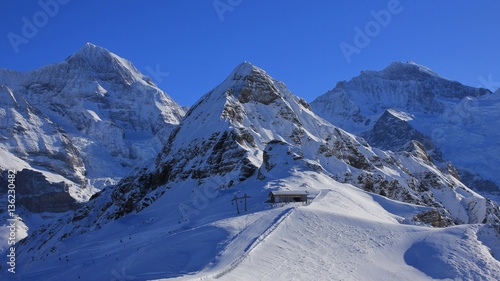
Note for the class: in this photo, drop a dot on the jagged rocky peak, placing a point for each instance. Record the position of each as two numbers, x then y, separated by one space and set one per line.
251 83
442 112
393 130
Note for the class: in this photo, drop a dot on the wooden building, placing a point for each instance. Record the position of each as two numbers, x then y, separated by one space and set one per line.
287 196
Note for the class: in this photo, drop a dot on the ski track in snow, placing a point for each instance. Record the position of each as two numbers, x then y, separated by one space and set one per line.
261 238
344 234
334 239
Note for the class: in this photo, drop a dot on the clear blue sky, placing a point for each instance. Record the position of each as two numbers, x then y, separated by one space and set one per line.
295 41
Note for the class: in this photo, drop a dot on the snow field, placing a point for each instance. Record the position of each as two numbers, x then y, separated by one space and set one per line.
348 234
344 234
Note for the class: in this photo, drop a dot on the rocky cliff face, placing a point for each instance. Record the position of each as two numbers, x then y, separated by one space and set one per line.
392 131
251 128
31 135
90 118
250 135
74 127
444 115
37 195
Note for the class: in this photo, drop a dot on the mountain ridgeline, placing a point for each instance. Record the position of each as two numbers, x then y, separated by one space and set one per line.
83 123
456 123
94 119
251 127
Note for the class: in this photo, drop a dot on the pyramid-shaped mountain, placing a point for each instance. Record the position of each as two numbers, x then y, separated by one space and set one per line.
458 122
250 124
204 198
74 127
113 115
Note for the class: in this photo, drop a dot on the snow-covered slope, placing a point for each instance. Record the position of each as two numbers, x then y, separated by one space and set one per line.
459 123
89 119
344 233
109 116
200 207
72 128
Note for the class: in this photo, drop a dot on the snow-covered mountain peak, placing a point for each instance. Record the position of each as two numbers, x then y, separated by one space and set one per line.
406 87
91 52
233 115
108 111
105 64
402 71
245 68
250 136
446 115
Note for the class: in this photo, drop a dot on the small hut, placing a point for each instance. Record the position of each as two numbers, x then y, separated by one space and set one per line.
287 196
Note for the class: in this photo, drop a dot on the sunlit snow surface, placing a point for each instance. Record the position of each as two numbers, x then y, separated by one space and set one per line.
95 111
344 234
188 227
461 121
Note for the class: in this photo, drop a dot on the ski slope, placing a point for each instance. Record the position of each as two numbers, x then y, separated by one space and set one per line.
184 225
348 234
344 234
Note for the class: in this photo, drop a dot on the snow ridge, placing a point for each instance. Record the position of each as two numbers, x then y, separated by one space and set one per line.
246 137
453 116
77 126
111 114
175 216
